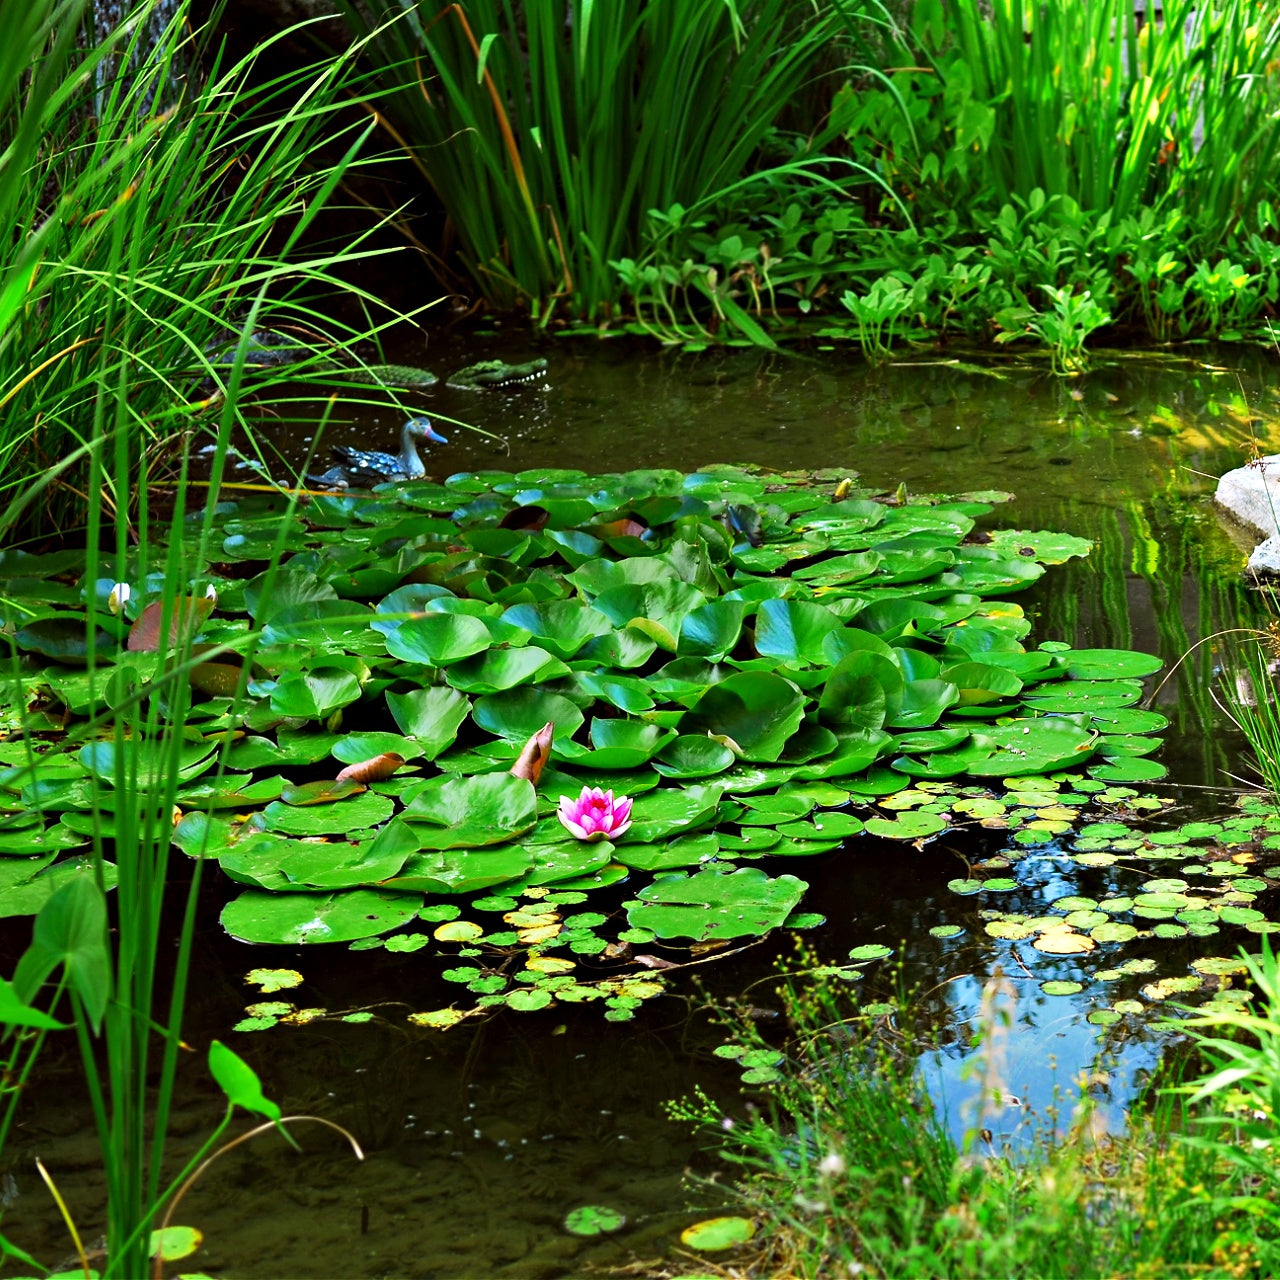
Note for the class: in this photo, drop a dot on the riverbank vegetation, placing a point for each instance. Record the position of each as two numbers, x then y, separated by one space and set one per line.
848 1166
882 174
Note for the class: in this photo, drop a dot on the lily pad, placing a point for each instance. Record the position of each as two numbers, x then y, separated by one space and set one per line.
290 919
715 904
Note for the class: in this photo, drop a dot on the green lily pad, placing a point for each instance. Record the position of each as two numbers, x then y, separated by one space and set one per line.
437 639
1110 664
715 904
754 711
691 756
290 919
518 714
452 812
792 631
594 1220
561 627
716 1234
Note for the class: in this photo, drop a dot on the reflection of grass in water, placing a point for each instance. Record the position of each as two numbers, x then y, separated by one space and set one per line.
1248 696
852 1171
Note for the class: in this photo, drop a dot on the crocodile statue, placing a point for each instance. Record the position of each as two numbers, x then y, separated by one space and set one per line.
268 349
488 374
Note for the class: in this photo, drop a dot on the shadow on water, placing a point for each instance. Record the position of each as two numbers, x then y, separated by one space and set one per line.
481 1138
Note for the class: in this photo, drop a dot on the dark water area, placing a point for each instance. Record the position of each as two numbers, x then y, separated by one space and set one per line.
481 1138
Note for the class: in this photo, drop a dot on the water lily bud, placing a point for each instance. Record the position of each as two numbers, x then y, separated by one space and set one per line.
119 597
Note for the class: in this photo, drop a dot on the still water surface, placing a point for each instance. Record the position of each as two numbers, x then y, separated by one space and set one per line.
480 1139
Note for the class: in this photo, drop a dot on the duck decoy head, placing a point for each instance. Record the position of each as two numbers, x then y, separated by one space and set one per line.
421 429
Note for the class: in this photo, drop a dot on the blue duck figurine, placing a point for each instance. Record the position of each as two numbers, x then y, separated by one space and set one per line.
362 468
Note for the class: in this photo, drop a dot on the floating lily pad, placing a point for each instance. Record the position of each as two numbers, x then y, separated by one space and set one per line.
715 904
716 1234
292 918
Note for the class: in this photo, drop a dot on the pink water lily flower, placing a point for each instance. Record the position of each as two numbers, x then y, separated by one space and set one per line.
595 814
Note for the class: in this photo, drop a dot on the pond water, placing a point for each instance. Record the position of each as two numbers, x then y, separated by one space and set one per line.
481 1138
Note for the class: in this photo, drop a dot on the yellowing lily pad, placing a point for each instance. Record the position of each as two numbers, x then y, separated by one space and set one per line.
715 1234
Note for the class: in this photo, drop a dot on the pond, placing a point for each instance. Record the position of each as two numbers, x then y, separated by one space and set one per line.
481 1138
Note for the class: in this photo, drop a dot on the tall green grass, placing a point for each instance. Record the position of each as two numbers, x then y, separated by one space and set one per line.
550 131
150 224
1080 100
145 219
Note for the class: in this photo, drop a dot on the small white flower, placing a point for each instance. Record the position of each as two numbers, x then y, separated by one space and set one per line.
119 597
831 1165
210 593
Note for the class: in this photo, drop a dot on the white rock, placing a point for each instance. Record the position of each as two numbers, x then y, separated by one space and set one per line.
1252 495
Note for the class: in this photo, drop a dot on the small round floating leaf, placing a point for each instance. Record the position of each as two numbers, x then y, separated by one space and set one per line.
438 1019
1129 769
804 920
1240 915
1009 930
871 951
1062 942
593 1220
716 1234
1061 987
1103 1017
441 911
1114 931
946 931
1166 987
274 979
407 942
526 1000
172 1243
457 931
910 826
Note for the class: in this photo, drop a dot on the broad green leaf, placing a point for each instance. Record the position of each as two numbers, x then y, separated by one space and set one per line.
755 711
70 930
431 716
715 904
437 639
238 1080
517 714
453 812
291 919
792 631
561 627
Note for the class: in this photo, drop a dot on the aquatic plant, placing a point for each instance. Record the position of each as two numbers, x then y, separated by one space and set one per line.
766 665
550 131
595 815
1092 103
93 265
